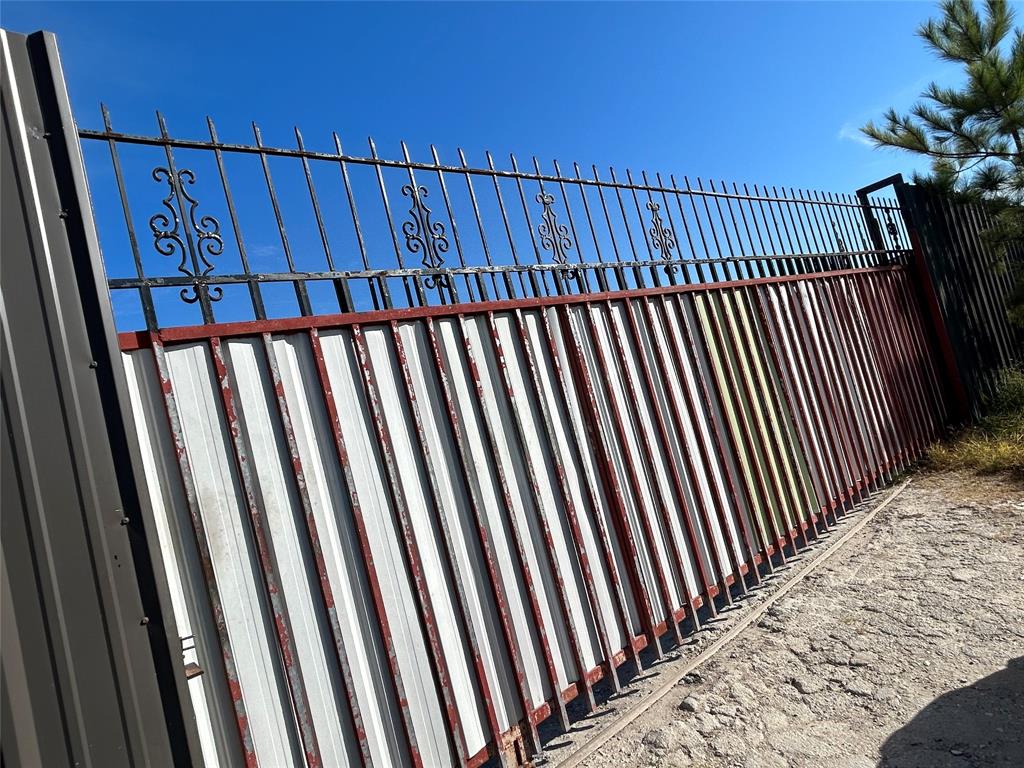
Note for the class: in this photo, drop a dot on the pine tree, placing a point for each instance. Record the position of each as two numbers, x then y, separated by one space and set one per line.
973 134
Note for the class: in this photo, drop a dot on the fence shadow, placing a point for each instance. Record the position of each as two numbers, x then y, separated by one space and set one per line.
981 724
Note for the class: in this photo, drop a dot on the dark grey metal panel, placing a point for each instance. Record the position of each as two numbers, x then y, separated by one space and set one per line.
90 675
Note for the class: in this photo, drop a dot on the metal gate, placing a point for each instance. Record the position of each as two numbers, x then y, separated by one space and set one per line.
425 476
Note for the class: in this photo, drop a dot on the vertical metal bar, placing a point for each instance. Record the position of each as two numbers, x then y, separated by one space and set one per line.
840 382
716 435
517 410
677 261
509 286
913 206
252 283
268 560
666 447
571 514
619 272
634 473
145 293
809 360
937 411
582 280
508 232
765 410
877 308
597 438
594 494
819 375
861 296
340 285
723 262
842 365
643 228
798 205
799 353
797 266
762 271
681 422
301 295
737 261
455 230
380 284
313 537
421 299
602 277
529 227
662 503
911 381
471 478
637 271
691 194
517 538
836 383
359 523
867 411
795 408
770 488
205 555
413 561
678 193
440 522
863 359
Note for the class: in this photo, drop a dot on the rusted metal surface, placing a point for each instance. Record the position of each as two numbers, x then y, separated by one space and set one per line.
448 525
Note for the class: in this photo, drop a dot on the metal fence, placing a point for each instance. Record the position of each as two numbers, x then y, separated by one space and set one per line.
406 538
427 471
338 232
421 457
974 280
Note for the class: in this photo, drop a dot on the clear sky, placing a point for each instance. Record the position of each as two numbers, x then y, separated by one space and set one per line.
747 92
742 91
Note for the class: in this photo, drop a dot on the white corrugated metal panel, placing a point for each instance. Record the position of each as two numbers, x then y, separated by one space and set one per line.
498 456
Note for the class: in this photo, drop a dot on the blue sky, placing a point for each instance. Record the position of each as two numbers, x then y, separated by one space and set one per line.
747 92
742 91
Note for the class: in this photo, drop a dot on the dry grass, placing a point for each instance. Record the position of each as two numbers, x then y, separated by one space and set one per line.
996 444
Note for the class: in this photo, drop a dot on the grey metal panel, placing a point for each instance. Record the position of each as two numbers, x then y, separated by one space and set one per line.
85 608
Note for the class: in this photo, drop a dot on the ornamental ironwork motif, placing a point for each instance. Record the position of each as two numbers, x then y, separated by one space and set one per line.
663 237
554 237
422 234
892 229
170 236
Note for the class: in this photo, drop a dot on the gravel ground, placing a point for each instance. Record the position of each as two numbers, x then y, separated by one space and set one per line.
904 650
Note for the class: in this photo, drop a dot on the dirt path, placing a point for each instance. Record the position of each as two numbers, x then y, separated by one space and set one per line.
904 650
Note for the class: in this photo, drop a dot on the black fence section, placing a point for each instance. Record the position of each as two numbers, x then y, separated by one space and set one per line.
973 280
313 231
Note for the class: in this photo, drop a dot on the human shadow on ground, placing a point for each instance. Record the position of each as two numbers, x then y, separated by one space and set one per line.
978 726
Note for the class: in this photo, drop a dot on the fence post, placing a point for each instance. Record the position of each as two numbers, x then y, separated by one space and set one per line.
90 658
909 198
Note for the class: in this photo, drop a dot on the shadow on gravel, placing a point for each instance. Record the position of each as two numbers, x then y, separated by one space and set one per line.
978 726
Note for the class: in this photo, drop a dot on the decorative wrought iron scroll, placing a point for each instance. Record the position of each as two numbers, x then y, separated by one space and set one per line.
663 237
554 237
892 229
422 234
170 235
